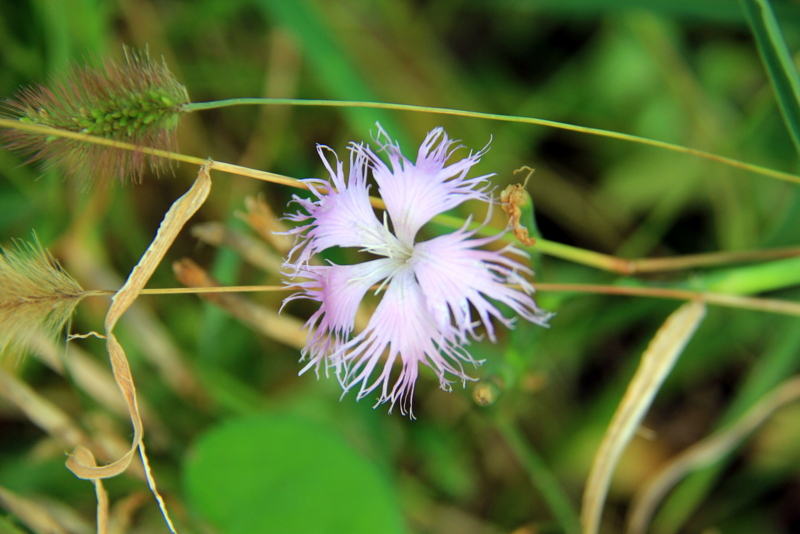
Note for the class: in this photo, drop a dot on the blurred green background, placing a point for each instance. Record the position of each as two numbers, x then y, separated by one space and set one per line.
240 443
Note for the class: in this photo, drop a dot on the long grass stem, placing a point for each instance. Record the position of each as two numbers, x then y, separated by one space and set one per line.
782 307
550 488
757 169
551 248
195 290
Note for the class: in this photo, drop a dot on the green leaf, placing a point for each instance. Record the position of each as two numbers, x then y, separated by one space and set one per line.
282 473
778 62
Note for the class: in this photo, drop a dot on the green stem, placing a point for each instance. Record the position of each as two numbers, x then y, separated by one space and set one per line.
197 106
719 299
550 248
541 477
626 266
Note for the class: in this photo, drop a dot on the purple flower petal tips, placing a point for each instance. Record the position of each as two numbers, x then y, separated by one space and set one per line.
435 292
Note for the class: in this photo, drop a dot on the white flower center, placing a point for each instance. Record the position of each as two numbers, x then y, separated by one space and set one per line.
386 244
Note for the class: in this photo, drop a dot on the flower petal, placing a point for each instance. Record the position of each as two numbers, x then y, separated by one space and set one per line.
436 292
455 274
402 328
414 193
340 217
339 289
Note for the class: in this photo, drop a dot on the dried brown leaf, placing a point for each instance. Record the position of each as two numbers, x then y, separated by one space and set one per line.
513 198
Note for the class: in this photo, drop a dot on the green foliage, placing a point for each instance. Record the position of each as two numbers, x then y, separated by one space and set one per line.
283 473
778 61
684 72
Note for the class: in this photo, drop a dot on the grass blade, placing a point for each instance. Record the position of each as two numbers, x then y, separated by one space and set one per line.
657 361
705 453
778 62
541 477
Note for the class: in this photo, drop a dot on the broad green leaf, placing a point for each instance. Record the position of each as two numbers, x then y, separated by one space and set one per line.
282 473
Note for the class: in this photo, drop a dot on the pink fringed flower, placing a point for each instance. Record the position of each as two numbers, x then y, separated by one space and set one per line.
435 292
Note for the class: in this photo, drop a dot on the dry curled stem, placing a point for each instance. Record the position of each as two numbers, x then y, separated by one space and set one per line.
174 220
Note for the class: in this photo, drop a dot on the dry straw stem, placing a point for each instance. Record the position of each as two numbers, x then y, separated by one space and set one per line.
657 361
37 297
32 514
91 378
250 249
41 411
550 248
782 307
283 328
155 152
59 425
706 453
85 456
155 342
174 220
263 220
122 515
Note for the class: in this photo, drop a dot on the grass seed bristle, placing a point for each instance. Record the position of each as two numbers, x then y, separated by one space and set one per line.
138 101
37 297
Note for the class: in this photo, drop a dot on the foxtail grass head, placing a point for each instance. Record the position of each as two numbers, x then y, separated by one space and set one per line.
37 297
137 102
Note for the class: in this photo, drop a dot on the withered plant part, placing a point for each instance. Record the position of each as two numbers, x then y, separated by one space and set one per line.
37 297
35 515
657 361
86 457
263 220
174 220
705 453
283 328
138 102
517 203
252 250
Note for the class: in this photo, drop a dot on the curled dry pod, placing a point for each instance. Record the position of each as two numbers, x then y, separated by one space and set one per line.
137 102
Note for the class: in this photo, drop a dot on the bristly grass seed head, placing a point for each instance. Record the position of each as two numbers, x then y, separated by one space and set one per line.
37 297
137 102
